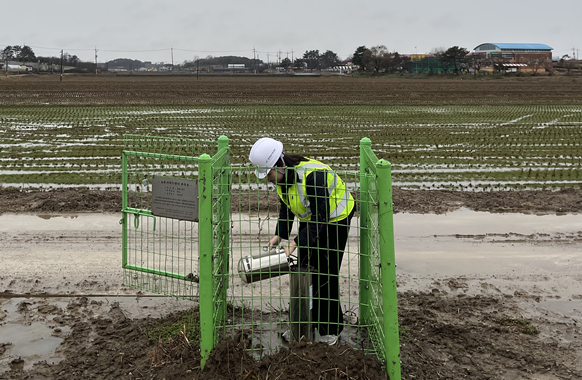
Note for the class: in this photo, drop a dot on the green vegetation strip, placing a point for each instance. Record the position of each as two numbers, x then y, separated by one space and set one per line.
469 148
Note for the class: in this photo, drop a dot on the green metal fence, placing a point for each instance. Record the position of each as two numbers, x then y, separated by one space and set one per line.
378 300
160 253
236 217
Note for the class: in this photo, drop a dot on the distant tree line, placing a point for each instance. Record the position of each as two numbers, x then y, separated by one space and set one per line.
25 54
374 59
18 53
378 58
125 64
222 61
311 59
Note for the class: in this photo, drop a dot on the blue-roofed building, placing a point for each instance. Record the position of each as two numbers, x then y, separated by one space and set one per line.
513 47
515 56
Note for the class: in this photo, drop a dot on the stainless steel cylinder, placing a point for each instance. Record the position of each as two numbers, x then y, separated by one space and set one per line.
273 263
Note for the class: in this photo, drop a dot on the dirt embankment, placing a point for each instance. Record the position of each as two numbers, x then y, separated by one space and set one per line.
412 201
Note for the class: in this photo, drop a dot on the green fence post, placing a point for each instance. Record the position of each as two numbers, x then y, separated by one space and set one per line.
205 253
365 270
123 208
222 142
225 219
388 266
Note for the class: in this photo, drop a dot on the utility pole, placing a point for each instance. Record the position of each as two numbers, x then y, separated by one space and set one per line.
95 60
61 67
255 59
172 50
197 68
292 60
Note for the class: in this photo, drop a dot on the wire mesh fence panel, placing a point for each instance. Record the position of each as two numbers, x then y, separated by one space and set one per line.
160 246
273 305
372 313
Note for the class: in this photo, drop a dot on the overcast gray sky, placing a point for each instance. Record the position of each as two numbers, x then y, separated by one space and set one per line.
148 29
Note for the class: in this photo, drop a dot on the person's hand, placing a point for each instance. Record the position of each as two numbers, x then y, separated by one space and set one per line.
274 241
290 248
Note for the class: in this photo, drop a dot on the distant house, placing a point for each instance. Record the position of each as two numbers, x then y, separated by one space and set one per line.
513 57
14 67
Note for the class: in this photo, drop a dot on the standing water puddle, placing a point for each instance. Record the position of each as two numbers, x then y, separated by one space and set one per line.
29 337
28 340
465 242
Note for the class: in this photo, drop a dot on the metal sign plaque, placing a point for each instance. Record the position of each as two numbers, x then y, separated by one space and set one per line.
175 198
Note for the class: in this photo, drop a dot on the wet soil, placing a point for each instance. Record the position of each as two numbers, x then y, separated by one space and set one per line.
445 333
64 200
443 336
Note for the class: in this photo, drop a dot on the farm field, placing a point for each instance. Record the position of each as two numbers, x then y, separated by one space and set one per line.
494 145
465 148
340 90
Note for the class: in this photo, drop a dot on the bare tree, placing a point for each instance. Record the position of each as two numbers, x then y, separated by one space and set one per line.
438 50
548 65
567 63
499 62
535 66
380 57
477 62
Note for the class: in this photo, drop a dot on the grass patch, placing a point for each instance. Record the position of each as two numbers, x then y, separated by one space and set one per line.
525 326
183 324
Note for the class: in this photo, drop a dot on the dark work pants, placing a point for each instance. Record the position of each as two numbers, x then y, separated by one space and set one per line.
326 260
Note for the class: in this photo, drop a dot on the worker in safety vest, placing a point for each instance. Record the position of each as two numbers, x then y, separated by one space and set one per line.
317 196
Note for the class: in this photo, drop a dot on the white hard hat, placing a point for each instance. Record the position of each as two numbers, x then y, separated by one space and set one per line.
265 154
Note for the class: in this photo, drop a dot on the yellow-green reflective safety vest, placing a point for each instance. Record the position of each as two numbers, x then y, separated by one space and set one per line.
341 202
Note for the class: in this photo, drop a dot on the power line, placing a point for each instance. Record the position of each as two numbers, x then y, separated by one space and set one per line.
135 51
214 51
59 49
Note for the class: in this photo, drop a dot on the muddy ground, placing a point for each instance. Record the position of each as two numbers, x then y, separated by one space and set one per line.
64 200
446 333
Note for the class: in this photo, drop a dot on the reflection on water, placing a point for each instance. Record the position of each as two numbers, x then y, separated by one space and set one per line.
49 216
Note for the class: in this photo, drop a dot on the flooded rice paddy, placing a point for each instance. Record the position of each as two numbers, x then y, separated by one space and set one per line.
467 148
